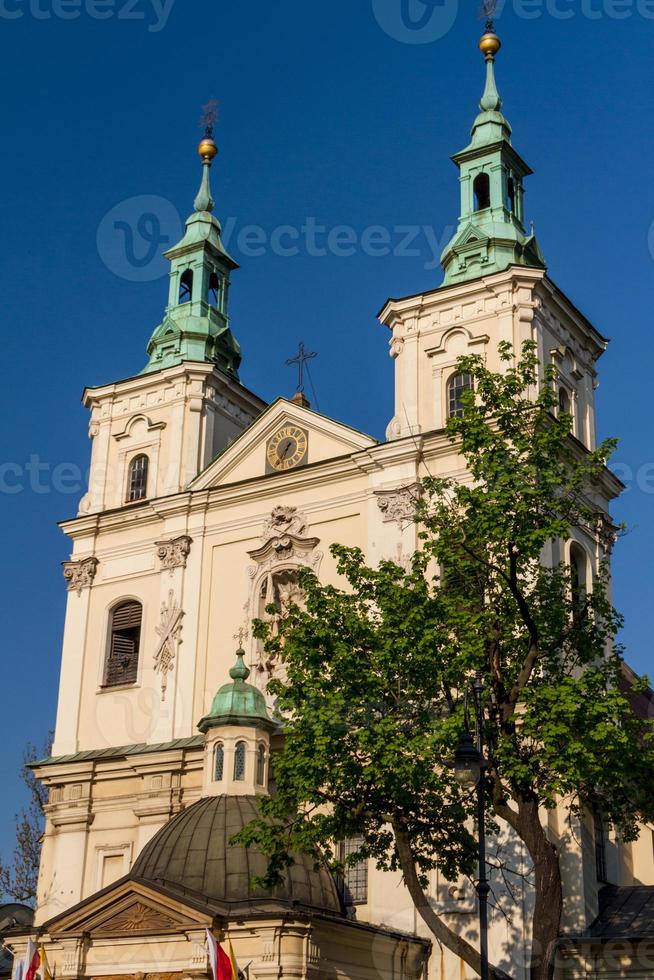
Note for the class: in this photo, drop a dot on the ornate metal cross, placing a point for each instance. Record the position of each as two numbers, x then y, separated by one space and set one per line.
241 636
209 117
301 358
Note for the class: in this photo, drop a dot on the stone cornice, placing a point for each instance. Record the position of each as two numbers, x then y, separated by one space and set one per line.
181 372
190 503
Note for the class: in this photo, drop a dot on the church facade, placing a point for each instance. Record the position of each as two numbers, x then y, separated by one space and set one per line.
203 504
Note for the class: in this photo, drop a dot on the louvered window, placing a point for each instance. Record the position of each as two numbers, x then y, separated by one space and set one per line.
124 641
137 479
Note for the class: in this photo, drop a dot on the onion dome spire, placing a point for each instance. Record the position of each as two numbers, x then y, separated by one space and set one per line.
489 45
491 234
196 323
238 703
208 151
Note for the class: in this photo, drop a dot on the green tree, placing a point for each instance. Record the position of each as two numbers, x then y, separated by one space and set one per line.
373 702
19 877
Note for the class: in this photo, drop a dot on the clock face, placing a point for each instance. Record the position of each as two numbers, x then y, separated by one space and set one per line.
287 449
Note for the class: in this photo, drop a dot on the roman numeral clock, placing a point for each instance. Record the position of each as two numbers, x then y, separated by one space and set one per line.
287 449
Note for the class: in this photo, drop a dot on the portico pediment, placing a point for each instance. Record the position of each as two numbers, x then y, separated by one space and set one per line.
129 908
249 457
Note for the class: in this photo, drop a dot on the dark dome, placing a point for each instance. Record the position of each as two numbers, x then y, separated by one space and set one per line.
191 854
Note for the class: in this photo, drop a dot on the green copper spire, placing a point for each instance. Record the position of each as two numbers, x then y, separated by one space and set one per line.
238 703
490 235
204 201
196 322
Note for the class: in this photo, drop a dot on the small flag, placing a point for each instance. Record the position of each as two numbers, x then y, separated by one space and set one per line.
32 961
223 966
45 969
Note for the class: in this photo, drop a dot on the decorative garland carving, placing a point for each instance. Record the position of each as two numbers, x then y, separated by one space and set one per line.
80 574
168 630
174 552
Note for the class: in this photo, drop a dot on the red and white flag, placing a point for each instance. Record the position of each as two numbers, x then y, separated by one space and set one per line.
223 965
32 961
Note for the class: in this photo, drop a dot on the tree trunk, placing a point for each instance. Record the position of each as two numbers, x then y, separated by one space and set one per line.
549 891
441 932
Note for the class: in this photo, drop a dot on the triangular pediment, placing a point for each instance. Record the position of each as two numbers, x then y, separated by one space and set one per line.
129 908
248 457
470 235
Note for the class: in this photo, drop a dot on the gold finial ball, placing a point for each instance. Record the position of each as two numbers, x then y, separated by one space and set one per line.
490 44
207 149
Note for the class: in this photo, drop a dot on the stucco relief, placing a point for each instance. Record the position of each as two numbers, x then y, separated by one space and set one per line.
169 632
80 574
399 505
285 548
174 552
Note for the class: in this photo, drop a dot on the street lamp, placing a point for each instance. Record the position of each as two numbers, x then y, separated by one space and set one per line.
469 767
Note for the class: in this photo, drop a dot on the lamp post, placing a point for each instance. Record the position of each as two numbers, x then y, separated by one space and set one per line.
469 766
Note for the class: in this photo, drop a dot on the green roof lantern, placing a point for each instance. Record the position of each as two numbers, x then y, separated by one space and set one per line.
491 233
238 703
196 326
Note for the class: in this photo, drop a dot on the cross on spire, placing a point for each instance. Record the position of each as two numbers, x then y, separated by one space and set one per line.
241 636
301 358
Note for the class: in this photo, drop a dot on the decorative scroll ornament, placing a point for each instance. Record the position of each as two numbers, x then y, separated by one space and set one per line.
173 553
284 550
399 505
168 631
80 574
283 541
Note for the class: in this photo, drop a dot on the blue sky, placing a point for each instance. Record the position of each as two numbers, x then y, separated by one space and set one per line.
339 113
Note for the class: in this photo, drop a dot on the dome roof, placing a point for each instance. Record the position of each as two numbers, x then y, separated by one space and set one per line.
238 702
191 854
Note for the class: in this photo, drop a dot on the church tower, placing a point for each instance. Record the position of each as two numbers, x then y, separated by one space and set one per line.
495 288
490 234
153 433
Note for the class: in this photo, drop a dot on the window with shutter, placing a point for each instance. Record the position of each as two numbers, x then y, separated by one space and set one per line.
122 661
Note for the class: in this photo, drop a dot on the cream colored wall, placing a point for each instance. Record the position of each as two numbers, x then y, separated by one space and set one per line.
429 333
180 418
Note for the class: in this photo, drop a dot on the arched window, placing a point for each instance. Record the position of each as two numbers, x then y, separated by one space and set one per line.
137 479
481 190
564 401
215 291
218 762
122 660
261 765
455 388
510 195
578 577
239 761
186 287
600 846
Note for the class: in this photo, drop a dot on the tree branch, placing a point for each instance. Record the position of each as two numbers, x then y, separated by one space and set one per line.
442 933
